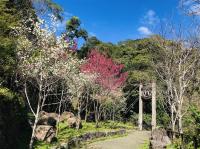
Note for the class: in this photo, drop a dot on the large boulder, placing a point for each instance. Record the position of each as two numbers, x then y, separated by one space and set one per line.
51 119
66 115
71 120
47 118
45 133
74 122
46 114
159 139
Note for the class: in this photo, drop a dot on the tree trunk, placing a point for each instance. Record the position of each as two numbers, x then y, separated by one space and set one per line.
180 127
36 116
59 113
79 115
173 123
33 133
96 115
113 114
140 108
104 115
173 129
35 125
96 118
153 123
86 114
86 109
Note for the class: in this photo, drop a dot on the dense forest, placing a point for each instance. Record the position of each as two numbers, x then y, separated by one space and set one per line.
53 89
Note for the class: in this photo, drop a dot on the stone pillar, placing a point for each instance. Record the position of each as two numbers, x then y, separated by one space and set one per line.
153 121
140 118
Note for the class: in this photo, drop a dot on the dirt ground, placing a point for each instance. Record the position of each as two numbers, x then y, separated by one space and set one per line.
133 140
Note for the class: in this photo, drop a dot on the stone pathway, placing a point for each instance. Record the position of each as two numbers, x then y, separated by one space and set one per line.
133 140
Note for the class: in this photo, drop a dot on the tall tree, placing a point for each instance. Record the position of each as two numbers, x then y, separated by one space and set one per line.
74 30
176 67
109 79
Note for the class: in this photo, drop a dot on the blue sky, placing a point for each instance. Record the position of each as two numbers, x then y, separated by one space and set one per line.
117 20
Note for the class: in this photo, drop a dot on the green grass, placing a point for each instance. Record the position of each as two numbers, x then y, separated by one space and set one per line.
145 145
65 133
117 125
172 146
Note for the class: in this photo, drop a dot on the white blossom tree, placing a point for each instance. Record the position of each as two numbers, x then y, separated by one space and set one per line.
176 66
43 61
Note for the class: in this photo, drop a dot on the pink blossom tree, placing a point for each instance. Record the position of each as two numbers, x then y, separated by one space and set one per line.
109 74
108 81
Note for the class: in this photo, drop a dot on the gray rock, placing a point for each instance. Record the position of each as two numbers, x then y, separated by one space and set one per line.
159 139
47 118
45 133
74 122
66 115
64 146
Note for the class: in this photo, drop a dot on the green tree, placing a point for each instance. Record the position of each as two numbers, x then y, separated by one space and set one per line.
91 43
74 30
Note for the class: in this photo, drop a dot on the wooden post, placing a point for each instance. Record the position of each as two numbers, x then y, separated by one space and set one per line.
153 121
140 118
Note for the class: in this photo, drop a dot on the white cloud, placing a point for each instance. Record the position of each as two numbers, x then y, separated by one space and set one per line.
144 31
150 18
